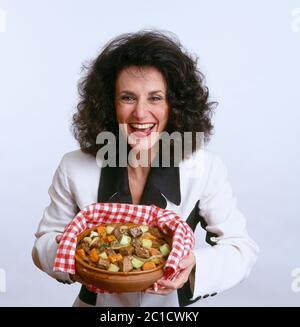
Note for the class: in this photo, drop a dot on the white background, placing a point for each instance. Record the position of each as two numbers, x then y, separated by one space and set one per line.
249 52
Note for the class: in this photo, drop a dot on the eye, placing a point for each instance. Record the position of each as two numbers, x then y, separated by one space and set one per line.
127 98
155 98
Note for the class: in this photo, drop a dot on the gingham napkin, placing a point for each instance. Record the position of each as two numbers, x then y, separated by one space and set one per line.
106 213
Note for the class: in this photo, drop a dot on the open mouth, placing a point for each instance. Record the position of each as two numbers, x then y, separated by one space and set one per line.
142 130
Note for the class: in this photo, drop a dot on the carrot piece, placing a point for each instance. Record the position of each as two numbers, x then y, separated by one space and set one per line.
148 265
81 253
115 257
101 231
111 238
94 255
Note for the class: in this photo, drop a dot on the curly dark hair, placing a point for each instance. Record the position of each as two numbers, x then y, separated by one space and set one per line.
187 96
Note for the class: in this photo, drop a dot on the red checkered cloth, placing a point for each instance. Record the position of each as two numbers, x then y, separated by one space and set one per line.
106 213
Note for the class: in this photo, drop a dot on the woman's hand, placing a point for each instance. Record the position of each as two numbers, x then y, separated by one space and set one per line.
58 238
186 266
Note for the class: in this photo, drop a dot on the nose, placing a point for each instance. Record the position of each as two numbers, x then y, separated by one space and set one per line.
140 109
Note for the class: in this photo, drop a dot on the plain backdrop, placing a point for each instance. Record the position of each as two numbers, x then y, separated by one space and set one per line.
249 52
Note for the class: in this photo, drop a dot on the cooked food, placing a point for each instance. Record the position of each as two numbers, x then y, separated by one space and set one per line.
124 248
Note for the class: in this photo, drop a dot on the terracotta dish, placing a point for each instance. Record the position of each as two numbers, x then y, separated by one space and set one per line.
121 257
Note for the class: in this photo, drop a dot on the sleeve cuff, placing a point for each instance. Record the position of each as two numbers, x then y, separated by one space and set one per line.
204 274
44 253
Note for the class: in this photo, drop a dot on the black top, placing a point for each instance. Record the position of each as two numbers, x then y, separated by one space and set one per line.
162 182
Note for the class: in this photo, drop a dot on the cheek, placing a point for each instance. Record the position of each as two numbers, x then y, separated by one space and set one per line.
164 116
121 114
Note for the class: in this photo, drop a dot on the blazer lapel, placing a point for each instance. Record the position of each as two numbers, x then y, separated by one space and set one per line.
162 183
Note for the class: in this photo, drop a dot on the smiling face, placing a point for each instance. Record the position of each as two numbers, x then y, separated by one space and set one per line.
141 105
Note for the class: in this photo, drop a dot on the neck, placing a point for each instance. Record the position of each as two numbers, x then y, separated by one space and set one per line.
142 159
138 172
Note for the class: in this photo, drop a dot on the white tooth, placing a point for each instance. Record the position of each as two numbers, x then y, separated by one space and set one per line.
142 126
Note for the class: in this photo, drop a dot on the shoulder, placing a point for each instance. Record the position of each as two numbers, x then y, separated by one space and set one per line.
77 164
201 175
76 159
204 164
81 175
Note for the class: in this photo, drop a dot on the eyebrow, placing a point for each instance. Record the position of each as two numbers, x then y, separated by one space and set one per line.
132 93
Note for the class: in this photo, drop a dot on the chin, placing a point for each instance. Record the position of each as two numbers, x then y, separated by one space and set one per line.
144 143
141 146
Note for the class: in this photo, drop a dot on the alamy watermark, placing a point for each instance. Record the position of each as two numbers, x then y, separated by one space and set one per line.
295 25
3 21
295 286
2 281
156 150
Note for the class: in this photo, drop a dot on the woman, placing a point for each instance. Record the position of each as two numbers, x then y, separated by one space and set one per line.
145 84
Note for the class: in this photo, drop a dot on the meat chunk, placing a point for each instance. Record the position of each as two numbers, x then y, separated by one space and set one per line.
110 252
155 232
103 264
117 233
128 250
157 243
142 252
95 243
136 242
85 247
135 231
126 264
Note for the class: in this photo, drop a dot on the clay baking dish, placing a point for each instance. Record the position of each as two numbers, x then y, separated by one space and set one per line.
119 282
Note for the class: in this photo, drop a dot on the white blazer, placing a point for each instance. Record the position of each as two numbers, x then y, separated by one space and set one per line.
198 191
